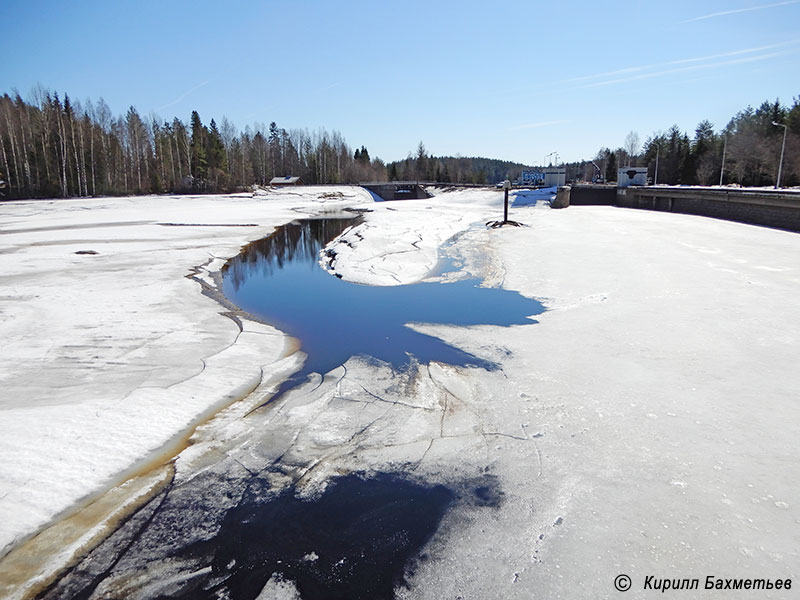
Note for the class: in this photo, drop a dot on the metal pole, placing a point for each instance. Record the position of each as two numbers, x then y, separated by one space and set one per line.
722 169
505 209
783 146
655 179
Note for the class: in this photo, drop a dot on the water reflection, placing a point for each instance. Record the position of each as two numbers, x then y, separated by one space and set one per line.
279 279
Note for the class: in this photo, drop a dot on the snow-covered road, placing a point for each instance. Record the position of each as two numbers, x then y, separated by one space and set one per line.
646 425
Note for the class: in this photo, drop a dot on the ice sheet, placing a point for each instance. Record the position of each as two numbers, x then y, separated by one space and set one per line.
108 356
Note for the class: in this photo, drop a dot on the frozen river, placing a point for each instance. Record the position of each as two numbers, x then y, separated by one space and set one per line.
645 425
358 537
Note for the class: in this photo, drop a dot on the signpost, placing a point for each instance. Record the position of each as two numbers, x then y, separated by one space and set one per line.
506 187
505 221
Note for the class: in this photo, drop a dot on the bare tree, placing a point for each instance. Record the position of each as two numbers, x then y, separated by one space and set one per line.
632 147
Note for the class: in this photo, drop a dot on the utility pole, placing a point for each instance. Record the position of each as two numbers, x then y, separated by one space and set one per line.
655 178
722 169
783 146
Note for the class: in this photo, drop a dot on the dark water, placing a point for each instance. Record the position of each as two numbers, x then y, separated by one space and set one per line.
359 540
353 542
279 279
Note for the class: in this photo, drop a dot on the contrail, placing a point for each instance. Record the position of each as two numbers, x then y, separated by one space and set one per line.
182 96
739 10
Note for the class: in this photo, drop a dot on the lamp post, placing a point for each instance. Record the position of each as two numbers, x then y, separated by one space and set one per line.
783 146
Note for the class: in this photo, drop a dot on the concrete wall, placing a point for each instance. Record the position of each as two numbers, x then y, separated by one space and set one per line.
562 197
398 191
779 208
771 208
593 194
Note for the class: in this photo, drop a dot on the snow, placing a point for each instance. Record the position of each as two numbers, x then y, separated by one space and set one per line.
108 357
391 248
645 425
664 387
399 241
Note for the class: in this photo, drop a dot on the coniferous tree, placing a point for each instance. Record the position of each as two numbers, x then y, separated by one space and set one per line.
215 152
611 167
704 154
199 160
274 149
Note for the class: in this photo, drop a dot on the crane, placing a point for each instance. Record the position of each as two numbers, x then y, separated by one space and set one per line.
598 174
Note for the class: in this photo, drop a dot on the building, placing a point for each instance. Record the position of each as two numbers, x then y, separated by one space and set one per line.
631 176
288 180
554 176
544 177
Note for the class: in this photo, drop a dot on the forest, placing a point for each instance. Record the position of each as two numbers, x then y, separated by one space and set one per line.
51 147
54 147
750 143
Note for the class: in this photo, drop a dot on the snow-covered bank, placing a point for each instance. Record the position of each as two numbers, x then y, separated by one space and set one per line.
399 242
661 390
108 350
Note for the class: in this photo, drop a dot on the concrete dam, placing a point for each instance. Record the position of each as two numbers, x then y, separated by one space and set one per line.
397 190
771 208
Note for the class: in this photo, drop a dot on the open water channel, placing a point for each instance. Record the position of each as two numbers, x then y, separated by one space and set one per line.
279 280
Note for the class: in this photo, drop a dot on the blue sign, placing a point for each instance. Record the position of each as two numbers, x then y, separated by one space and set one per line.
535 177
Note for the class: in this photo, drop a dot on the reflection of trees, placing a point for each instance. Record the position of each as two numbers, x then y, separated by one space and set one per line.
296 241
359 320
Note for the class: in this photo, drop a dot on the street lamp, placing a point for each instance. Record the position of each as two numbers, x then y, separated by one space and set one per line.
780 164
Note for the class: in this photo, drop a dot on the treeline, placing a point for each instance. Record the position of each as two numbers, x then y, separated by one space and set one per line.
750 142
51 147
751 145
452 169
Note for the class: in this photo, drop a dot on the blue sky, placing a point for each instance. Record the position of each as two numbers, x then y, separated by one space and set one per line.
511 80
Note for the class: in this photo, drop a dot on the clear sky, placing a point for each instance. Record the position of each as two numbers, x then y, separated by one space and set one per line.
512 80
